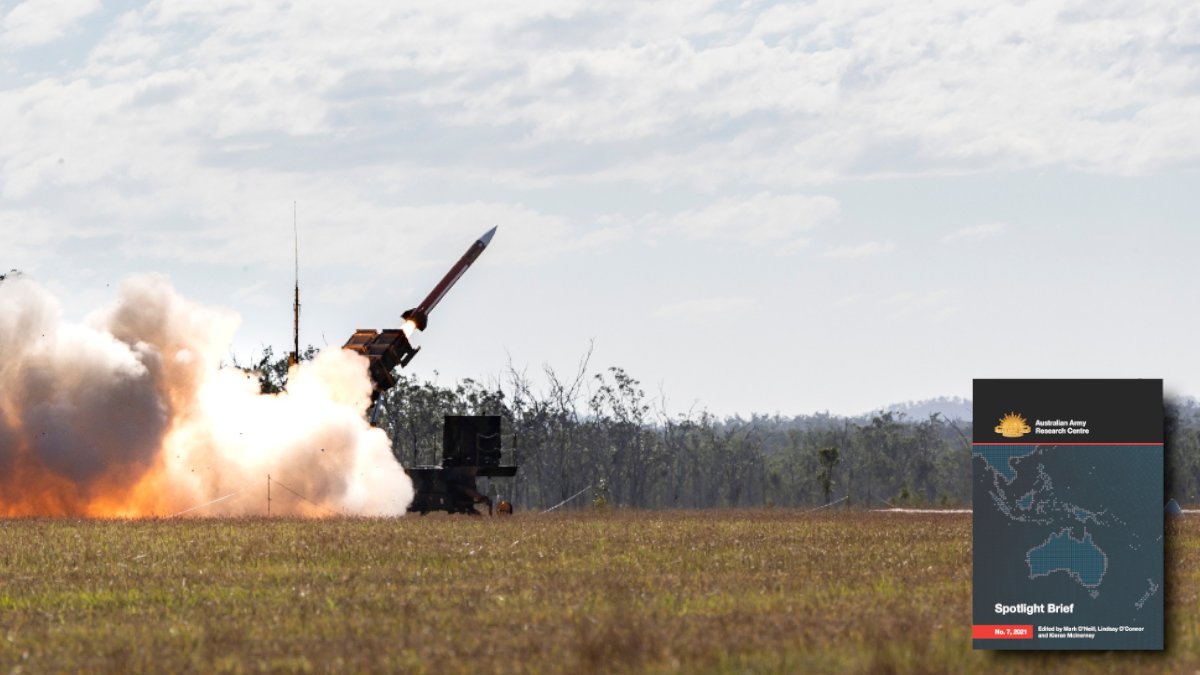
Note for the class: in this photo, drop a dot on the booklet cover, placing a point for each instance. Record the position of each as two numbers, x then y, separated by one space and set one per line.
1068 514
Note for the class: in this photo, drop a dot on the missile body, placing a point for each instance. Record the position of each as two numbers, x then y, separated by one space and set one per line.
419 315
390 347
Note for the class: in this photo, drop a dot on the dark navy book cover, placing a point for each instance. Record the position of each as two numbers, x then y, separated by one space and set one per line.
1068 514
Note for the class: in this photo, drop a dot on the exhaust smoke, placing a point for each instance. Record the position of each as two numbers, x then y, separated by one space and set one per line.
131 415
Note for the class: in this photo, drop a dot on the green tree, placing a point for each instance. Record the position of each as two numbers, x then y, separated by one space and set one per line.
829 459
272 372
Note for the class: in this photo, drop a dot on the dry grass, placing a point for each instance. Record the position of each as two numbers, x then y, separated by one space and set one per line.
709 592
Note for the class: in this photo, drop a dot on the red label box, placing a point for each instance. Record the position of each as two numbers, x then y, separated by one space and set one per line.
1002 632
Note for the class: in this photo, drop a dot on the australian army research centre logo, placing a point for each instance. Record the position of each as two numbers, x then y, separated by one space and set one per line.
1013 425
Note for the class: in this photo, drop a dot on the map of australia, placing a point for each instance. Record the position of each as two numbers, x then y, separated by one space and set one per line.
1083 560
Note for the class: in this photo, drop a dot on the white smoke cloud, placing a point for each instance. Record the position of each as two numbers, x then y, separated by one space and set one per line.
131 415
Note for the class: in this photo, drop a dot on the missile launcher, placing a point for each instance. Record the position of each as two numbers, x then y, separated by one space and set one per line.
390 348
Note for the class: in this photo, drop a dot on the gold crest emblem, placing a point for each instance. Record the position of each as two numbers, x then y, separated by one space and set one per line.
1013 425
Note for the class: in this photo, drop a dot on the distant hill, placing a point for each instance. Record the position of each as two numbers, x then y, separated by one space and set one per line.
1185 402
953 407
949 407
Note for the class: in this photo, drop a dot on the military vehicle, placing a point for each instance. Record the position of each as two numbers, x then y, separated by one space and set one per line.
470 451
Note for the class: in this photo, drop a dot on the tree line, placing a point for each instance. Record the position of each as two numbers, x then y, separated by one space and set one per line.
598 437
599 434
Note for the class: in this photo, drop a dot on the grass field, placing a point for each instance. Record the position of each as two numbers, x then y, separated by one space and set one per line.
693 592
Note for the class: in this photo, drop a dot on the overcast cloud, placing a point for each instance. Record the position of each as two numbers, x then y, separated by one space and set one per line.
855 185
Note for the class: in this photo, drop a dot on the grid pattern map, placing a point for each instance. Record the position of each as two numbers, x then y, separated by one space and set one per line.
999 457
1075 525
1080 558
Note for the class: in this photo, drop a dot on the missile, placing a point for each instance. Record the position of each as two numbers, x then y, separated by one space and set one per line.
419 315
390 347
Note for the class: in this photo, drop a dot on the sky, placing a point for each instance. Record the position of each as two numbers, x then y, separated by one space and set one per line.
750 207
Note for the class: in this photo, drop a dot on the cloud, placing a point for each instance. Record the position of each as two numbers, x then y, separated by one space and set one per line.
344 294
253 295
867 250
37 22
907 303
182 127
762 219
774 96
975 232
30 236
705 309
914 300
945 313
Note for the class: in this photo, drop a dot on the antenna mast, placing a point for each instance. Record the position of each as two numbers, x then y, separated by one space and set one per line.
295 360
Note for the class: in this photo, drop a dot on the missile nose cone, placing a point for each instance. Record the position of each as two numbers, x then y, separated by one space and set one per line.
487 238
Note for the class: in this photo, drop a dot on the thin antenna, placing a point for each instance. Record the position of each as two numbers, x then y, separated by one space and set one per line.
295 360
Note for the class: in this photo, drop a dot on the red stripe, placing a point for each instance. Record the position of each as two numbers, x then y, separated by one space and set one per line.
1053 443
1002 632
